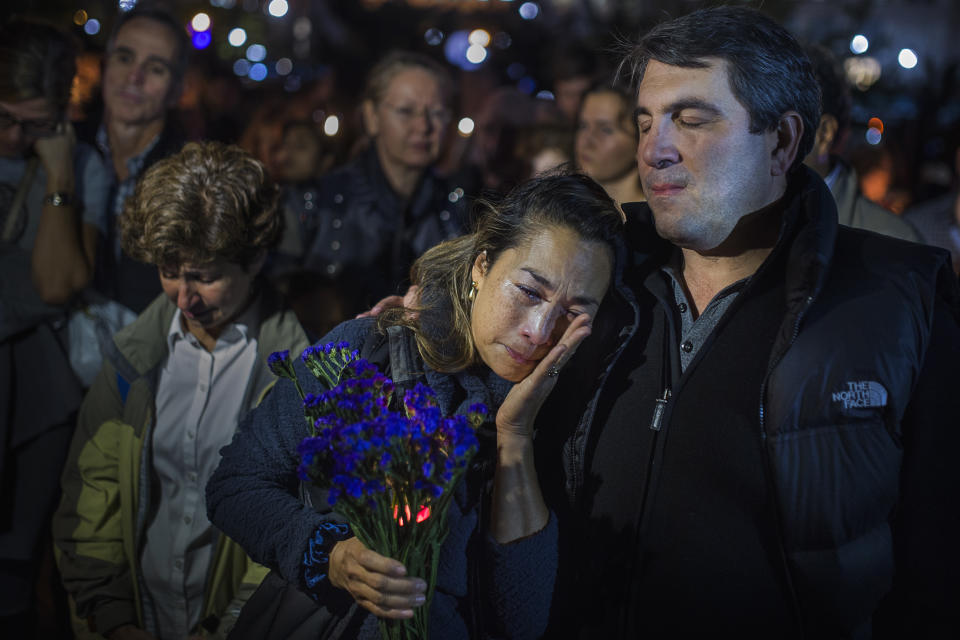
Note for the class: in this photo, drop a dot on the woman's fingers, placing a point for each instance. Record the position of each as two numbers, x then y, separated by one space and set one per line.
519 410
379 584
561 353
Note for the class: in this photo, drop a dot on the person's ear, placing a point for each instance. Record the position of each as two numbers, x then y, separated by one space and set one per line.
788 133
826 136
480 268
371 120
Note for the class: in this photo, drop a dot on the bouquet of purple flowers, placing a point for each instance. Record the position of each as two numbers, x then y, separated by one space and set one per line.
389 470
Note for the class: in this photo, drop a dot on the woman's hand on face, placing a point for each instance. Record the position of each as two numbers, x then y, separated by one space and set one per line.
520 408
378 584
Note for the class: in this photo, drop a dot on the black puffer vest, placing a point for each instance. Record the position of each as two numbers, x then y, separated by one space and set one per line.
842 360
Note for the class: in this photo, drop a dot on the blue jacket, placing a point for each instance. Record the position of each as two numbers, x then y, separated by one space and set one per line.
252 497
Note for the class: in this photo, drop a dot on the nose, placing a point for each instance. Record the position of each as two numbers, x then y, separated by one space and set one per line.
541 325
657 148
135 75
185 295
423 121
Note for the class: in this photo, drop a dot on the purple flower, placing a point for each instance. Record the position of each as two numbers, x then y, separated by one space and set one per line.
279 363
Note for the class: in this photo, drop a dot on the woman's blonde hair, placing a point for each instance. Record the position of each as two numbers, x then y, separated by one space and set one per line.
441 318
383 72
209 202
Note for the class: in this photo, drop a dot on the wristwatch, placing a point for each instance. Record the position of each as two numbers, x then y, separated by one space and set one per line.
59 199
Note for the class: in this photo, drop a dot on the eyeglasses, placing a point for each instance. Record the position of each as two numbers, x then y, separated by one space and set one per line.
30 128
438 116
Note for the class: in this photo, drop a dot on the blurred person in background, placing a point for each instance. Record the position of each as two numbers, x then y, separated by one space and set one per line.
143 73
574 70
503 119
263 132
53 198
136 551
853 209
304 154
366 222
938 220
544 147
606 142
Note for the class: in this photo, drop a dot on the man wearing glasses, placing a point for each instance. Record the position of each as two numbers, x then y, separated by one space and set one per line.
365 223
53 196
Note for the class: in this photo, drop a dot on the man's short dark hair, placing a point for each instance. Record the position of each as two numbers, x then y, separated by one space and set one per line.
769 72
37 60
834 90
150 12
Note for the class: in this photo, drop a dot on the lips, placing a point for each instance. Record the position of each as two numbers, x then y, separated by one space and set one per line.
197 315
666 189
518 358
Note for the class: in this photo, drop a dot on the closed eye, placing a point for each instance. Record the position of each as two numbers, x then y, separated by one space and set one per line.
531 294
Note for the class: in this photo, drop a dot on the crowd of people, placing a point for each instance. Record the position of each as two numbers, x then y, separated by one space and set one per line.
719 376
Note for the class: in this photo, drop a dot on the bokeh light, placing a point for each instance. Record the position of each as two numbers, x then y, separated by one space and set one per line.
874 136
80 17
201 39
302 28
241 67
433 36
92 27
545 95
455 50
278 8
331 126
284 66
516 70
859 44
875 123
476 54
465 126
529 10
480 37
907 58
862 71
258 72
256 52
200 22
237 37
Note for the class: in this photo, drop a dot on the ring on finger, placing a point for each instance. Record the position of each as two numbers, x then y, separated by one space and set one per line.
553 371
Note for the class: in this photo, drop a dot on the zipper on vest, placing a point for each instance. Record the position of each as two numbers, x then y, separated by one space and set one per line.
659 405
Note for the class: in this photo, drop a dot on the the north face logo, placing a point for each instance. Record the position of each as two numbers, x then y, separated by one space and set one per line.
861 394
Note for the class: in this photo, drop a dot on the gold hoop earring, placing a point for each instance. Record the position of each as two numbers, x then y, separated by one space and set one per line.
473 290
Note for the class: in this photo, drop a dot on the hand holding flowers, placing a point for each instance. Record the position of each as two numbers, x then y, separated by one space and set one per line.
390 472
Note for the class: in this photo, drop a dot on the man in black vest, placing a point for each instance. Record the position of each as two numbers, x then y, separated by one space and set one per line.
143 71
770 403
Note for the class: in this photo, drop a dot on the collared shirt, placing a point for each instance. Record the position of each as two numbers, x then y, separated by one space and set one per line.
199 399
832 177
122 189
695 331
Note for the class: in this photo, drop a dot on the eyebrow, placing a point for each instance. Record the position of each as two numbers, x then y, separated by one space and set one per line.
582 300
151 58
679 105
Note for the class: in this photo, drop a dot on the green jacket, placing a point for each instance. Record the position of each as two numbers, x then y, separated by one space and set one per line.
99 526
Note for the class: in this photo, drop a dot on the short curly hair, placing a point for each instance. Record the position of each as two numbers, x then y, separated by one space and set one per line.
209 202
